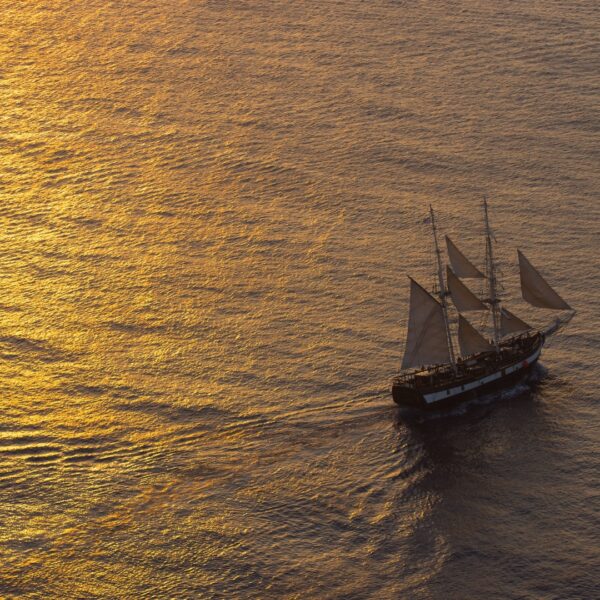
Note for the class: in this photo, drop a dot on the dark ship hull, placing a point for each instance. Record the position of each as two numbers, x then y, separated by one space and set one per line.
441 386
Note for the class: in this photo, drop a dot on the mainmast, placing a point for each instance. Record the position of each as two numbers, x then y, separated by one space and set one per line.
443 292
491 273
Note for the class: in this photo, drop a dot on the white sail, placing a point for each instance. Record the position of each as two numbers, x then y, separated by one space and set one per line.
536 290
426 341
461 265
510 323
464 299
470 340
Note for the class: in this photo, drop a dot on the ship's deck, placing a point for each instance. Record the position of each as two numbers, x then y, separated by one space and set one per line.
432 378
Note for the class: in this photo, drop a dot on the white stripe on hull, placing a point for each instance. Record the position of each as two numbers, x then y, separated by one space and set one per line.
473 385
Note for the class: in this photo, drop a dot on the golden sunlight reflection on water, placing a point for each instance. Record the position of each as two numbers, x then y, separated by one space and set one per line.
207 212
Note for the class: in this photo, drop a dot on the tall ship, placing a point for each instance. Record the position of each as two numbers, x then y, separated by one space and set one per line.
447 358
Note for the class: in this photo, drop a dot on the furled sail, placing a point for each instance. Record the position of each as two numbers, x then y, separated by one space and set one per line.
469 339
461 265
536 290
426 341
557 324
464 299
510 323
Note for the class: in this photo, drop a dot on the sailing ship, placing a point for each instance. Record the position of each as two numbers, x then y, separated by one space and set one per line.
435 370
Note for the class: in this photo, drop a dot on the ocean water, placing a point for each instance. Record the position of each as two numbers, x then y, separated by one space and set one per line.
208 210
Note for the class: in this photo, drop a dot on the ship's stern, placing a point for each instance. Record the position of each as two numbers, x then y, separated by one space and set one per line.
405 395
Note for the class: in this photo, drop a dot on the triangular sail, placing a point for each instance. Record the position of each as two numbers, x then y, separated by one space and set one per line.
461 265
536 290
426 341
470 340
510 323
464 299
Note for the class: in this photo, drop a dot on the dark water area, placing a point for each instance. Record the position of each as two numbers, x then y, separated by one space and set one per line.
208 211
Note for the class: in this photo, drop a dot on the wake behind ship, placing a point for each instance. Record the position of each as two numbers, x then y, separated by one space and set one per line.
434 373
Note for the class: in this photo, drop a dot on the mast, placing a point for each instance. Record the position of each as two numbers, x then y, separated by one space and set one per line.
491 273
443 292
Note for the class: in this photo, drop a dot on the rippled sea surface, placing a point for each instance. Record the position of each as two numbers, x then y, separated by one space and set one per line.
208 210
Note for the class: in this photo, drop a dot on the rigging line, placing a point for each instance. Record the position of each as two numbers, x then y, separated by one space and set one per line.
443 292
490 271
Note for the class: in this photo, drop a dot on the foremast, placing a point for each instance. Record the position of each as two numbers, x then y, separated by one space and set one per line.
443 290
490 265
